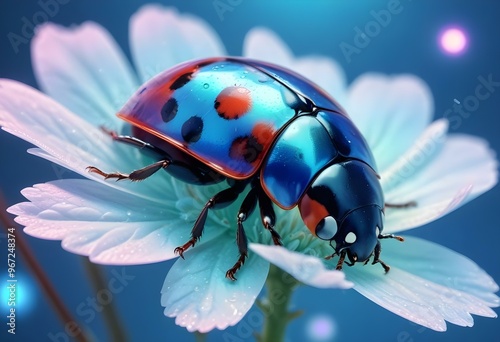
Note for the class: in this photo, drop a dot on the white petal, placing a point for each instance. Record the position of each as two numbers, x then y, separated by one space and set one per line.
391 112
424 150
305 268
109 226
426 301
464 168
442 266
83 68
265 45
160 38
197 293
69 140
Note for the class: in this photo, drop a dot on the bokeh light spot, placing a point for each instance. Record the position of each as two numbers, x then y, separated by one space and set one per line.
453 40
321 328
24 296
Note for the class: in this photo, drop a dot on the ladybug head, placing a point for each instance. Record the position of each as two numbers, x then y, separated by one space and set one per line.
358 232
343 206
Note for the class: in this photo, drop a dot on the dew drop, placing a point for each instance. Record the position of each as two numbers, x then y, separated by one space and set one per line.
206 86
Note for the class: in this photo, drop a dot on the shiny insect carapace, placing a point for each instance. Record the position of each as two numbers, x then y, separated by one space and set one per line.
267 129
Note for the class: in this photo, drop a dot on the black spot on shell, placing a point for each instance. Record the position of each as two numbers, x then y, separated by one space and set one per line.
246 148
191 129
254 148
169 109
181 81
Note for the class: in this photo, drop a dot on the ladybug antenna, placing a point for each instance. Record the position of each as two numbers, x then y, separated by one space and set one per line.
328 257
390 236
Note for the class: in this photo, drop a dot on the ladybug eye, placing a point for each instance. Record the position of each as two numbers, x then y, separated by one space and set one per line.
326 228
350 238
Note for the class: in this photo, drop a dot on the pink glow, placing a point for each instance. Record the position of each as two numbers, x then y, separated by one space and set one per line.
453 41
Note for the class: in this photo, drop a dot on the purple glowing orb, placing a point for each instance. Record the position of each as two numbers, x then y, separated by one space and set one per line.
321 328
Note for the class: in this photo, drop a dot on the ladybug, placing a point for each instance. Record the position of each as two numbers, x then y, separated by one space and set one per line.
260 126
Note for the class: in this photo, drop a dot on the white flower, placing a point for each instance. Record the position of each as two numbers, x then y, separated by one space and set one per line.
88 79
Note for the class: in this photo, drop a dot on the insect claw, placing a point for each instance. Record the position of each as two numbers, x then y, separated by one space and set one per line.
230 275
180 252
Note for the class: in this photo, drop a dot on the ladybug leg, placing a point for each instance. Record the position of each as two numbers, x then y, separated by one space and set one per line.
401 205
376 258
220 200
139 174
133 141
341 261
246 209
268 216
134 176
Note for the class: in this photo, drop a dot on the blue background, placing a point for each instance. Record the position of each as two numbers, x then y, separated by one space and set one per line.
407 45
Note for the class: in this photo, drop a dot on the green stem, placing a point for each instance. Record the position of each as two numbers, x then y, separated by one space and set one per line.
280 286
200 337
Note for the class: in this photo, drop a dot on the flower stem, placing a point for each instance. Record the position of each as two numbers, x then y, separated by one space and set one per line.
280 286
109 312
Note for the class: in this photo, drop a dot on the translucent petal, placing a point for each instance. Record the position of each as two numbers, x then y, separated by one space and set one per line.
109 226
84 69
306 269
391 112
69 140
429 302
464 168
422 152
197 293
442 266
160 38
264 44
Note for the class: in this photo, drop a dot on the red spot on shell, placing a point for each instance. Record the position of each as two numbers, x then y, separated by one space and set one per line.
233 102
263 133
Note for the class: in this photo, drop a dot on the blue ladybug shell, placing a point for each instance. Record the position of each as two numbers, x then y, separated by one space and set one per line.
240 116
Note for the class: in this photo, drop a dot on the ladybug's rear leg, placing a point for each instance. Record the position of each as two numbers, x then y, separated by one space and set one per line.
139 174
221 200
133 141
134 176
